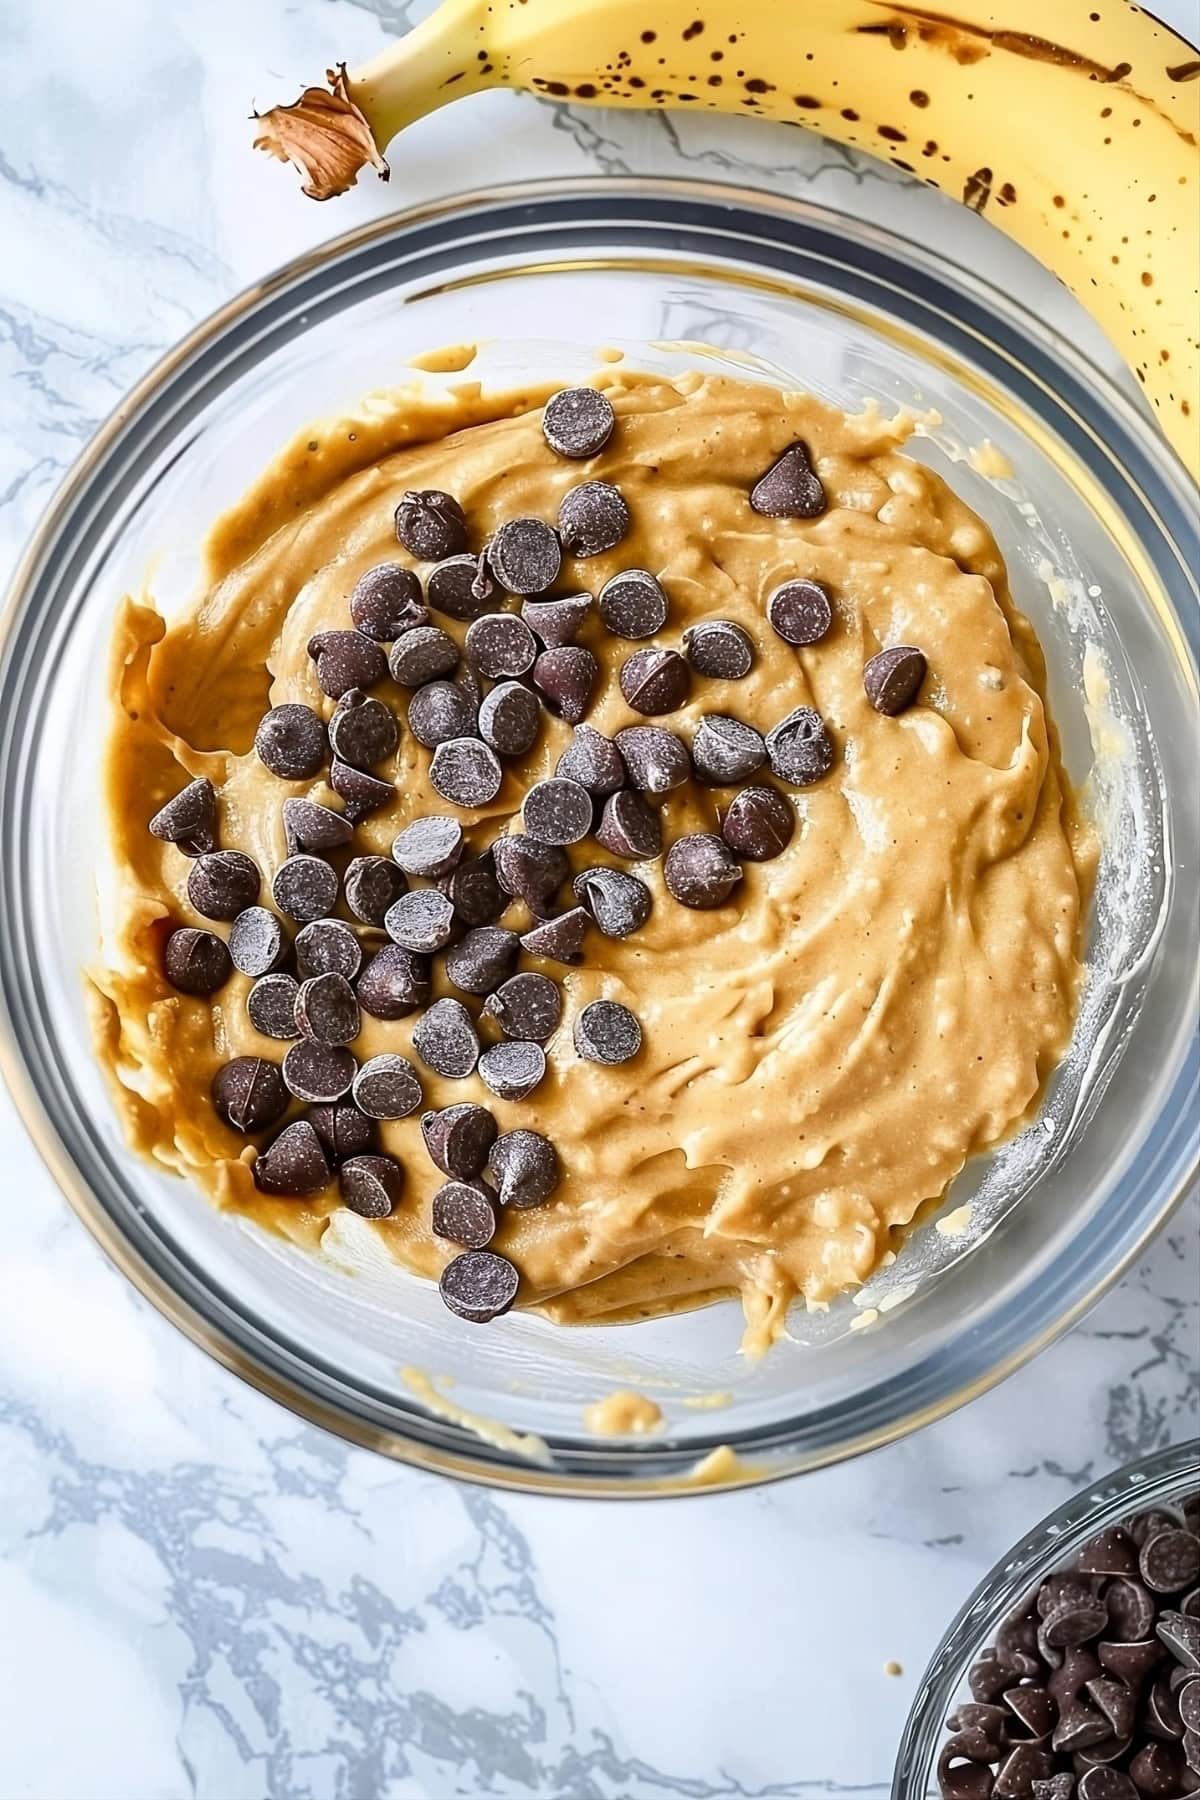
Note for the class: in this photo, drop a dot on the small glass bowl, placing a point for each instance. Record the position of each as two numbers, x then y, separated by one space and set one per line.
1097 521
1161 1479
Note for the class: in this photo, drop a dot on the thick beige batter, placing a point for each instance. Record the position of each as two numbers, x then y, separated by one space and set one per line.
821 1054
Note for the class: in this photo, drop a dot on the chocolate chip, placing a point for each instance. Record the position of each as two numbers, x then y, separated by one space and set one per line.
342 1129
530 870
557 622
346 659
1035 1710
657 760
459 587
363 731
361 794
1170 1561
501 645
790 489
592 518
578 422
387 601
724 750
305 888
478 1286
271 1006
557 811
422 920
458 1139
758 824
618 902
327 947
700 870
1149 1523
371 1185
509 719
327 1012
430 847
256 941
1131 1662
189 820
431 524
482 959
387 1087
223 884
1105 1784
525 1168
1130 1611
800 612
474 892
292 742
466 772
719 649
1074 1622
446 1040
560 939
528 1005
632 604
1023 1765
800 748
422 654
1181 1634
441 711
1054 1787
1188 1700
394 982
464 1213
1115 1701
371 884
512 1070
628 827
893 678
606 1032
294 1164
594 761
1110 1552
525 556
987 1678
567 677
196 962
1160 1713
654 681
249 1094
316 1071
1155 1771
307 825
960 1770
1079 1727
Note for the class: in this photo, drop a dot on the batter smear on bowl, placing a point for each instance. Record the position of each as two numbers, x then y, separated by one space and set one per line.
619 850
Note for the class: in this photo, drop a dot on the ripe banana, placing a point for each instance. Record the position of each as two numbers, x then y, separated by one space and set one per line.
1074 129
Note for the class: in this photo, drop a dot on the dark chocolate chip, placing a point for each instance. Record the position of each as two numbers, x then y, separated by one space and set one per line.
654 681
557 811
394 983
987 1678
458 1139
725 751
594 761
305 888
1106 1784
464 1213
512 1070
256 942
478 1286
361 794
578 422
1160 1711
1024 1764
271 1006
632 604
1034 1709
525 556
1110 1552
1149 1523
1067 1681
701 870
431 524
1130 1612
441 711
422 655
628 827
307 825
893 678
1079 1727
1115 1701
530 870
421 920
719 649
327 1011
656 759
1188 1700
567 676
759 824
592 518
560 939
1170 1560
606 1032
195 961
474 892
528 1005
1132 1663
223 884
387 601
1181 1634
295 1164
446 1040
346 659
1075 1622
524 1166
466 772
371 884
961 1770
1155 1771
459 587
618 902
189 820
430 847
342 1129
316 1071
800 748
557 622
292 742
790 489
481 960
328 947
800 612
1055 1787
371 1185
249 1094
509 719
501 646
387 1087
363 731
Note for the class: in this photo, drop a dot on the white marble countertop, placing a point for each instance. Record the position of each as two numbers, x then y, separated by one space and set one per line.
200 1595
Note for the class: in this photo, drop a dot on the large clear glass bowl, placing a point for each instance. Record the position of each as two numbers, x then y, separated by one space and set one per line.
1098 523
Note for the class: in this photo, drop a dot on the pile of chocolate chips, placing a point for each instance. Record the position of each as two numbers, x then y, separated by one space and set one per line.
1092 1687
473 709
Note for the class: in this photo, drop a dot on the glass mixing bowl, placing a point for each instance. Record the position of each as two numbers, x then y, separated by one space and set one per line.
1097 521
1162 1479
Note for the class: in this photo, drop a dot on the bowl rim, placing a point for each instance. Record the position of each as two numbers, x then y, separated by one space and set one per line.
426 1443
